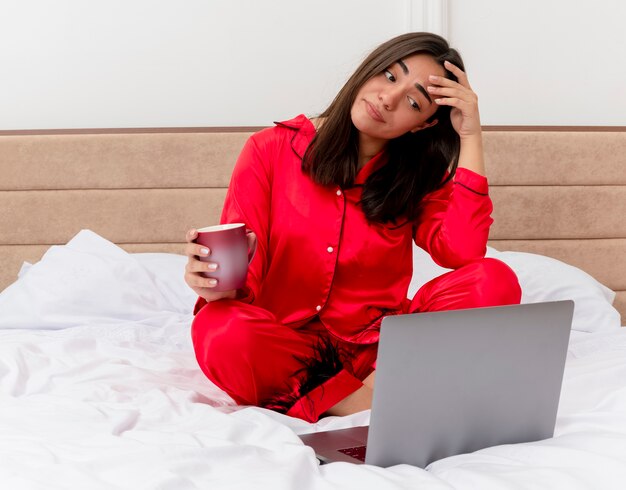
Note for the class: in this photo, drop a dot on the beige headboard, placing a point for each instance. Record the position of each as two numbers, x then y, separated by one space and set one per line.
559 192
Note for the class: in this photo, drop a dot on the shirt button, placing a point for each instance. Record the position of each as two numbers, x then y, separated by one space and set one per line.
339 193
330 250
318 307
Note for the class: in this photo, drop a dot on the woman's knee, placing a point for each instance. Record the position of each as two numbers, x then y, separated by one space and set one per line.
220 339
496 282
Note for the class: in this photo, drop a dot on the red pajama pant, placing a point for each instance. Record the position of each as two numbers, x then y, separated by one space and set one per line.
246 352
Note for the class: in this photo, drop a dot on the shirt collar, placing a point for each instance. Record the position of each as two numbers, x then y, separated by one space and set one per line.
370 167
304 133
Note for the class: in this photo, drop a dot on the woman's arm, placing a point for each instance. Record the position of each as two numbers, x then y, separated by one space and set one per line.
471 156
464 116
248 201
455 220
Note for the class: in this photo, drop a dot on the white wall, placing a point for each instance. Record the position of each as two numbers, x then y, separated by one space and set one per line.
552 62
137 63
130 63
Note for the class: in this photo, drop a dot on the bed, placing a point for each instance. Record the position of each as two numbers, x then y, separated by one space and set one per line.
98 382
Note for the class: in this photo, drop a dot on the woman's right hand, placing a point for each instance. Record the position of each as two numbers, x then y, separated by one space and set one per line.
202 286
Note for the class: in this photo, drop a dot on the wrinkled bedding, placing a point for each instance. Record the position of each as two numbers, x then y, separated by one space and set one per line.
95 396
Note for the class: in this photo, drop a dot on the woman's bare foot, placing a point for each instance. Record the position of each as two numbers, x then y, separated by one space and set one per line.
355 402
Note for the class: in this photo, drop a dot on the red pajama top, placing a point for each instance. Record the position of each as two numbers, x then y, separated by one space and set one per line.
316 253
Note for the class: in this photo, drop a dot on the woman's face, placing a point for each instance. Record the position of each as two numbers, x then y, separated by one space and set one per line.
396 101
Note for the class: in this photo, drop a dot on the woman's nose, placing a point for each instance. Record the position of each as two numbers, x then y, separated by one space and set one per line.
389 97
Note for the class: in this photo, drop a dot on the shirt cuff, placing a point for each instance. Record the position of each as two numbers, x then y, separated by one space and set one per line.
471 180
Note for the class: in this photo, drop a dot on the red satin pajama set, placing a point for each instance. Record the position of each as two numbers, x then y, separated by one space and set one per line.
303 333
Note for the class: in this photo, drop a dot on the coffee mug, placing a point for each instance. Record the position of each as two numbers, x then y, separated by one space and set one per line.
229 250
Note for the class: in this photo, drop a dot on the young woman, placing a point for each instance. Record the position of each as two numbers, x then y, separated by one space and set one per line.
334 204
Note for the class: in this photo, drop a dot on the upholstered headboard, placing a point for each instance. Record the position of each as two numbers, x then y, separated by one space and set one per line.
558 192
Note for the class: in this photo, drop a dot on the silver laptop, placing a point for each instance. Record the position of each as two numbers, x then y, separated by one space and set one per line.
453 382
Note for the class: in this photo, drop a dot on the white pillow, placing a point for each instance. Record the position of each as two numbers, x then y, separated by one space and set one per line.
542 279
91 280
168 274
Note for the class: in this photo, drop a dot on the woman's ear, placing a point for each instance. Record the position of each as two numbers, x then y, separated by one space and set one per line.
424 125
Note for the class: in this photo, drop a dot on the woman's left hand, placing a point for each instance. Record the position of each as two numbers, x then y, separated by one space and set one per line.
462 99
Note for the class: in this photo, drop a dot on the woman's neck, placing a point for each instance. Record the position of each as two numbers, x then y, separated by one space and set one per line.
368 148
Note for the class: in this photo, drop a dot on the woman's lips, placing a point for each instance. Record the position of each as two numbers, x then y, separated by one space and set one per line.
373 112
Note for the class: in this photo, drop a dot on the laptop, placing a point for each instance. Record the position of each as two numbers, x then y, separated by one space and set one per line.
454 382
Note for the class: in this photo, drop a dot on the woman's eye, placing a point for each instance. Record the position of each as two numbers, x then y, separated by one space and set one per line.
389 76
414 104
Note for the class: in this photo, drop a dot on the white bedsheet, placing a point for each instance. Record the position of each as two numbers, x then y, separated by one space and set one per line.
125 406
122 404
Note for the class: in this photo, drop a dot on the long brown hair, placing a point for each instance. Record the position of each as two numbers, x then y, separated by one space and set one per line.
417 162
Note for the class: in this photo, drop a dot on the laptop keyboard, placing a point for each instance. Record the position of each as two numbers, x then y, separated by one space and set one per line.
357 452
